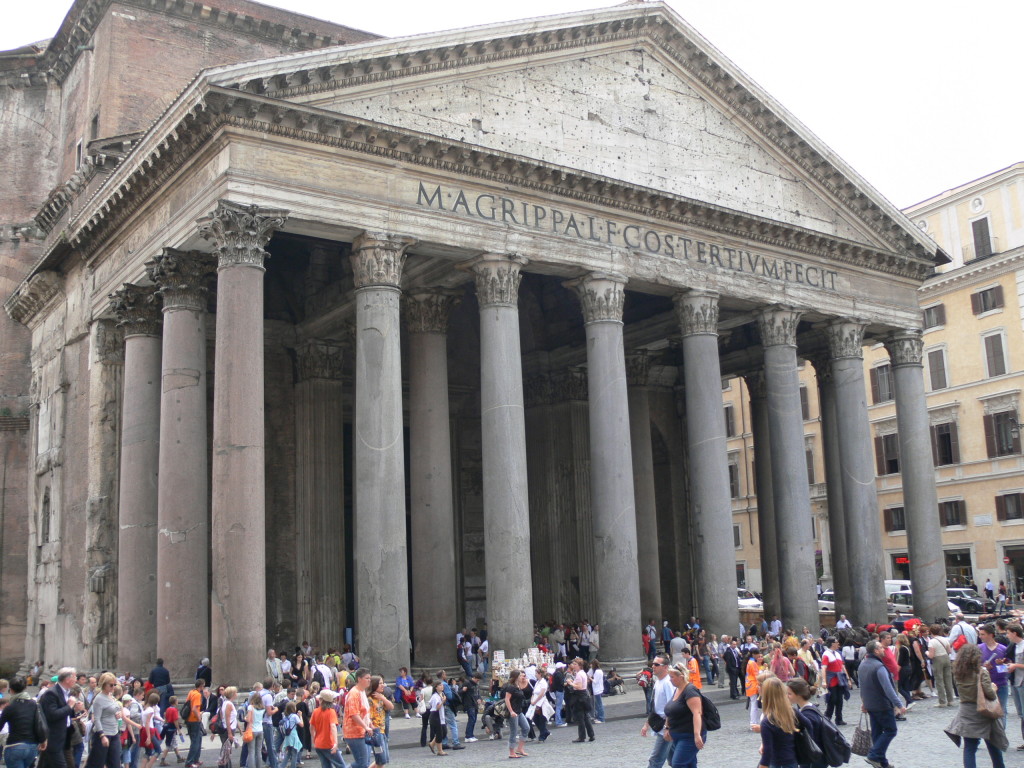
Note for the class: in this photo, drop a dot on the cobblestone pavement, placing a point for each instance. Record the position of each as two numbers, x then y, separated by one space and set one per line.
919 744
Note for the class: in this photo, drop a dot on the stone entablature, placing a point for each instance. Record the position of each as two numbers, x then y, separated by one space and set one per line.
32 295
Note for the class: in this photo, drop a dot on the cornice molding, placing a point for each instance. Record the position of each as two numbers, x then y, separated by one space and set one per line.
32 295
972 273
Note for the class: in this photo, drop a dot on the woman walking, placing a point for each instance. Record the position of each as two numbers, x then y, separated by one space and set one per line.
800 694
152 727
380 705
357 722
27 730
836 681
227 716
515 700
969 724
909 675
778 726
684 719
438 731
254 717
938 651
753 688
105 741
290 725
597 685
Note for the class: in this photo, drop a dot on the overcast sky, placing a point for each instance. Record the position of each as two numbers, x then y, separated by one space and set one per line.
918 96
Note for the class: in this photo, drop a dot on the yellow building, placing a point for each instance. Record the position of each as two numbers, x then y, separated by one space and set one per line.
974 371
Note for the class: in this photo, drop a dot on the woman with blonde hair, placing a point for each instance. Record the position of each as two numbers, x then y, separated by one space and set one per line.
800 694
152 725
779 726
969 724
254 717
227 716
684 719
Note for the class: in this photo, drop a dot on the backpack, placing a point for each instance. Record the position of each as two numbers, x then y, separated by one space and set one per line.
709 712
186 711
318 677
833 744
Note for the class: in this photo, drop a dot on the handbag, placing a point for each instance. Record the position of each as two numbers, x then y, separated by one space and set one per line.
807 750
862 741
960 642
990 709
247 736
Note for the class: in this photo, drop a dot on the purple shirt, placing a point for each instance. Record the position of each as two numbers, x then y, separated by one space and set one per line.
998 678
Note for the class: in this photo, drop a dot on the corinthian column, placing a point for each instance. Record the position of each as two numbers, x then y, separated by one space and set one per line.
183 542
866 598
920 502
502 420
709 467
319 482
637 372
238 615
138 314
611 465
382 587
430 456
793 527
767 532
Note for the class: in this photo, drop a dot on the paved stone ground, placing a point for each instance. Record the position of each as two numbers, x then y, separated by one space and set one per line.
919 744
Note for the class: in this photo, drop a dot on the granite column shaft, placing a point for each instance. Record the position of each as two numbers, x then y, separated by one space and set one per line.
430 458
508 576
866 574
920 500
239 595
793 527
648 558
710 498
139 316
613 503
381 588
767 531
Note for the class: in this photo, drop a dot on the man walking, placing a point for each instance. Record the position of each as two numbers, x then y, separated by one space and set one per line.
663 692
58 706
732 668
269 693
879 699
160 679
196 700
273 667
449 714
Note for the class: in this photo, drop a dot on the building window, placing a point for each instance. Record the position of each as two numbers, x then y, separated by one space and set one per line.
934 316
945 445
737 537
1010 506
741 576
952 513
937 368
982 239
894 518
809 456
987 300
734 480
805 408
730 422
44 518
881 383
1002 436
887 454
995 359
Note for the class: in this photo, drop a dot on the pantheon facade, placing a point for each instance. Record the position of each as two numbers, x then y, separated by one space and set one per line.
414 334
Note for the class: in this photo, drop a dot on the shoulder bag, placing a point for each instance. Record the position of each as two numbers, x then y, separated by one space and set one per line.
990 709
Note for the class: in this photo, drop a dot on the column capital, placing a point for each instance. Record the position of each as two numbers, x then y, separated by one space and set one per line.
316 359
137 309
378 258
108 342
638 368
182 278
845 338
777 325
426 310
822 363
905 348
240 232
755 384
602 295
697 312
497 278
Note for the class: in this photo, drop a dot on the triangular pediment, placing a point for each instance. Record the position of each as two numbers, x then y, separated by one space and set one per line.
630 93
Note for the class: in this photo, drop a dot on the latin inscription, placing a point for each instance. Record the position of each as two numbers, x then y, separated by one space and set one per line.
609 232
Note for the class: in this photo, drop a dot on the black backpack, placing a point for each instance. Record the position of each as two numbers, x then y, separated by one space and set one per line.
186 711
834 745
709 713
318 677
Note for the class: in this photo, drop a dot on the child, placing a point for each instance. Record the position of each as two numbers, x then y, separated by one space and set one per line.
172 725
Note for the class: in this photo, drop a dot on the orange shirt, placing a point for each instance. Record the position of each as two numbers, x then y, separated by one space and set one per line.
694 672
196 699
324 721
356 706
753 670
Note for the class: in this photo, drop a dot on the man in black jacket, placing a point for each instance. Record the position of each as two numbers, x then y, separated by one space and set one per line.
732 668
59 706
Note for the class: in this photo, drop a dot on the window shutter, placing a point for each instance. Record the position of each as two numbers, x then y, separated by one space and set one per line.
997 296
1016 437
961 512
880 456
940 314
976 303
937 368
1000 507
805 409
874 385
954 443
990 435
887 519
934 430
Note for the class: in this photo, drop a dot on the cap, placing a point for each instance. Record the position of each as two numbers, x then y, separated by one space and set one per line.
327 696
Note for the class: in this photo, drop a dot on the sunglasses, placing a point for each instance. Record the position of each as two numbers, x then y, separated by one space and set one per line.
657 664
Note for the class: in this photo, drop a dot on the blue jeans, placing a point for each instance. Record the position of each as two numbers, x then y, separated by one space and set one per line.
471 715
971 758
291 757
453 727
361 753
518 727
1018 700
1003 694
883 731
330 759
109 756
560 699
684 755
20 755
599 706
270 739
661 752
195 742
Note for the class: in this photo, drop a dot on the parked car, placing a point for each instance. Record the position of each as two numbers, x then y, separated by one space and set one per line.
748 600
969 601
903 600
827 601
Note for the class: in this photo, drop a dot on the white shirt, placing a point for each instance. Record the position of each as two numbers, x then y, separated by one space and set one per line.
539 690
1018 674
286 666
776 627
663 693
484 648
598 681
843 624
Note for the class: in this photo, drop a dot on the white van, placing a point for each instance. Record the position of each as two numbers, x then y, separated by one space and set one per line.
896 585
